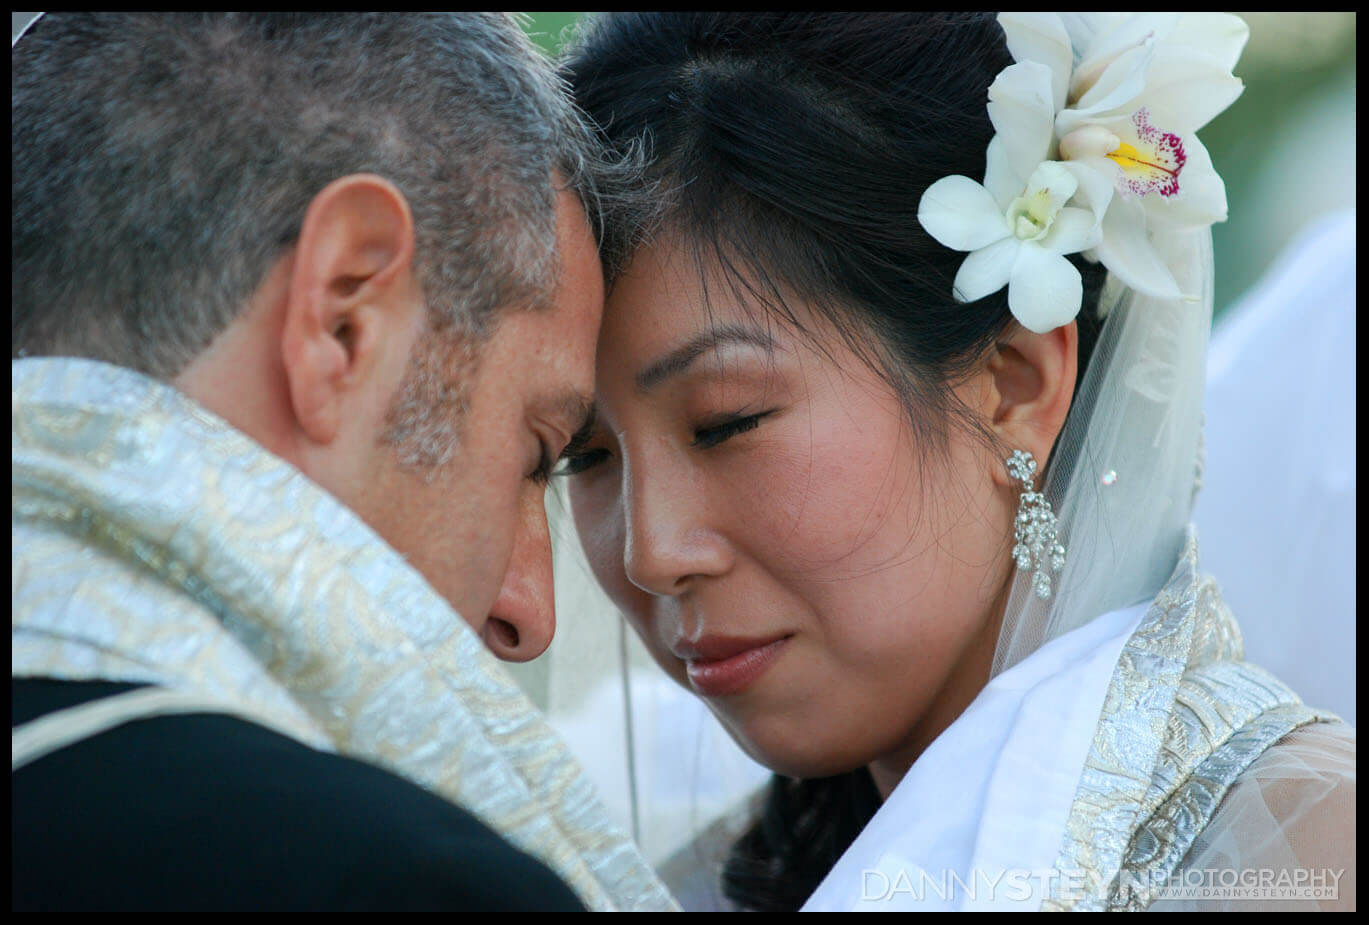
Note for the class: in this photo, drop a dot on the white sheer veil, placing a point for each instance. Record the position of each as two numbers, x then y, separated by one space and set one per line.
1125 469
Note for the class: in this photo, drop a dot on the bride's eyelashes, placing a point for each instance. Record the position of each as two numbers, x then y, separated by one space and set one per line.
706 437
576 458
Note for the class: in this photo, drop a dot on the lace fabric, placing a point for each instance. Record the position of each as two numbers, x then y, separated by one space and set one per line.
1289 818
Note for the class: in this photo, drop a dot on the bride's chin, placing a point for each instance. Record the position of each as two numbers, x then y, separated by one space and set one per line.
792 752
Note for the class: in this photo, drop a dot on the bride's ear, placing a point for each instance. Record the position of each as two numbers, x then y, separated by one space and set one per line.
1032 379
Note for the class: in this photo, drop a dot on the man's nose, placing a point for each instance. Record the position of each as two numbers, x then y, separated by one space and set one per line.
523 619
670 540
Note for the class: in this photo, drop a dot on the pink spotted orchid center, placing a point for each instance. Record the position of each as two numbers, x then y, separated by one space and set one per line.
1150 160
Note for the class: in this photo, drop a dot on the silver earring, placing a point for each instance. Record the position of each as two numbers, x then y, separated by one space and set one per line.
1035 527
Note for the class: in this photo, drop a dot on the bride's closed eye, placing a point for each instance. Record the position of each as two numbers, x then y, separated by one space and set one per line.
577 457
706 437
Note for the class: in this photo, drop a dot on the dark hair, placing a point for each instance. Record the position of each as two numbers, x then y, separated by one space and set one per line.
163 161
793 149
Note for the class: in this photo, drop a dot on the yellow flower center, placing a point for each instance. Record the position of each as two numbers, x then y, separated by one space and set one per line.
1030 216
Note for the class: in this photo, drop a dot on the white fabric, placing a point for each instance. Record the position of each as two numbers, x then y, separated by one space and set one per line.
988 800
1276 515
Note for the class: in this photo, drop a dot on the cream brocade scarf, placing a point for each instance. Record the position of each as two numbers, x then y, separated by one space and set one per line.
1183 717
154 543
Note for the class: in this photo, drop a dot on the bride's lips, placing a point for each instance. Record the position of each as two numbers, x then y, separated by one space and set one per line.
719 665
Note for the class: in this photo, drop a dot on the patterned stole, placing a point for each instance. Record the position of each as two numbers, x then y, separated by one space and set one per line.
153 542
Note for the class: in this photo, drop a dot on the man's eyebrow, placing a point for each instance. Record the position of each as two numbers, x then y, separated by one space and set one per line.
679 359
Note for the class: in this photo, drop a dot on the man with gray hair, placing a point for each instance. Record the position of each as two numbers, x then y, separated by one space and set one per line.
304 311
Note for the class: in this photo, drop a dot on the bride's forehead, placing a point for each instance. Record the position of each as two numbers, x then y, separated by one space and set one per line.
672 293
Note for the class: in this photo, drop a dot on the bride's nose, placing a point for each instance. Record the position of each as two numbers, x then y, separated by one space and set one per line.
673 536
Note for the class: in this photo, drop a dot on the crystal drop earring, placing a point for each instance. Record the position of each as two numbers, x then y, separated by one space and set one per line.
1034 528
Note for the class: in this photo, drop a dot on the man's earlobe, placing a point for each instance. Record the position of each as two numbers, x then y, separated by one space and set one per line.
351 292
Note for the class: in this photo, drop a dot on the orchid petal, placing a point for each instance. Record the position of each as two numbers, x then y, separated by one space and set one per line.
1219 36
1125 32
1084 28
1127 252
1044 290
1202 194
1073 230
986 270
1119 82
1184 93
1000 179
1122 82
1041 37
1055 181
1097 178
1022 115
961 214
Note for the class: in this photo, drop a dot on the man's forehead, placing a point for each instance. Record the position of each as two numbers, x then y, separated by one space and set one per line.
578 312
580 273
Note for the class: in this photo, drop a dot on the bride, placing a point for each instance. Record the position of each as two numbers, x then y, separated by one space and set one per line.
898 432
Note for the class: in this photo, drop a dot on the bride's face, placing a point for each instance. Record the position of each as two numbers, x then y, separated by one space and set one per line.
753 501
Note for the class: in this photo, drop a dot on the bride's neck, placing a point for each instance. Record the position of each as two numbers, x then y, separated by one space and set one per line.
966 679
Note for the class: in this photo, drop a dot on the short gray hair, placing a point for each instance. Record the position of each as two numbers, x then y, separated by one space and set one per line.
162 163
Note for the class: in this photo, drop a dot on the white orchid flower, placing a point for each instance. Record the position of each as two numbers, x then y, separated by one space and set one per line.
1019 241
1128 112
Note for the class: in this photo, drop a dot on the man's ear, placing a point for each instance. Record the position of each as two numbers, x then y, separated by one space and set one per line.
351 289
1032 377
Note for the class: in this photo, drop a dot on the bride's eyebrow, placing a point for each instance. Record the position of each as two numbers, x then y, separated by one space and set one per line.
680 358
